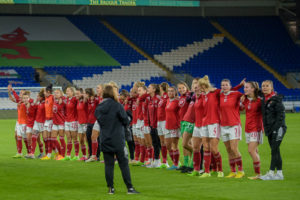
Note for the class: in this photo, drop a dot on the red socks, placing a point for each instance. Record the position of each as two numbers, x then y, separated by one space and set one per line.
218 162
19 145
46 144
94 147
142 152
28 147
69 148
256 166
55 145
76 145
164 153
171 154
176 155
213 165
207 161
50 145
33 145
83 150
197 160
232 165
239 163
62 146
137 151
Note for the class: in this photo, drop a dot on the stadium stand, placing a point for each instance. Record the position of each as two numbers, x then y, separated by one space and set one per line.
268 39
24 77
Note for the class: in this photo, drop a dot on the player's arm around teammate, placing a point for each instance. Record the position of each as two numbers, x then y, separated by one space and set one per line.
71 124
254 125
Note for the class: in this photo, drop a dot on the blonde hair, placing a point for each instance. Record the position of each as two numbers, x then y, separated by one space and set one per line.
270 82
101 85
60 91
72 89
204 82
139 84
26 92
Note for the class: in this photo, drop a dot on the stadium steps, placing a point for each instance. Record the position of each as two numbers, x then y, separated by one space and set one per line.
180 55
135 47
251 54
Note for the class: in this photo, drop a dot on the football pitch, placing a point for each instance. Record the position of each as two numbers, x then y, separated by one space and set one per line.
23 179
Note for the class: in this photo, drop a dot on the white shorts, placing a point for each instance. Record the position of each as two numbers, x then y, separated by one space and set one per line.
140 133
48 125
231 133
71 126
39 127
58 127
16 127
134 130
211 131
161 128
254 137
173 133
197 132
96 126
82 128
146 129
139 124
29 129
21 130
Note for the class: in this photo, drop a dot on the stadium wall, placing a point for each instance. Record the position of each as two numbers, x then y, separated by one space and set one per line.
207 8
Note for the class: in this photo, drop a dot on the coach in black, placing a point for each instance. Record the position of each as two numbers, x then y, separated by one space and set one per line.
113 119
275 128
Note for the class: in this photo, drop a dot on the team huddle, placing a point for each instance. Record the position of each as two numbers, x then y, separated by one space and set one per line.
160 115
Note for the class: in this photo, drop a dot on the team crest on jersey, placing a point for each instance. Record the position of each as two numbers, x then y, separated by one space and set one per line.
160 103
225 99
205 98
181 102
55 109
133 106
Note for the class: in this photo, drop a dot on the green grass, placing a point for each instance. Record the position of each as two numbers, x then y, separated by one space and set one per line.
61 53
36 179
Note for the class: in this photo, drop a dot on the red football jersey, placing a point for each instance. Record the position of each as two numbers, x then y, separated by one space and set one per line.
152 109
230 108
40 113
59 112
183 104
134 107
161 109
92 105
198 107
254 122
31 114
268 96
211 111
71 111
172 114
82 111
145 111
128 105
190 113
139 111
